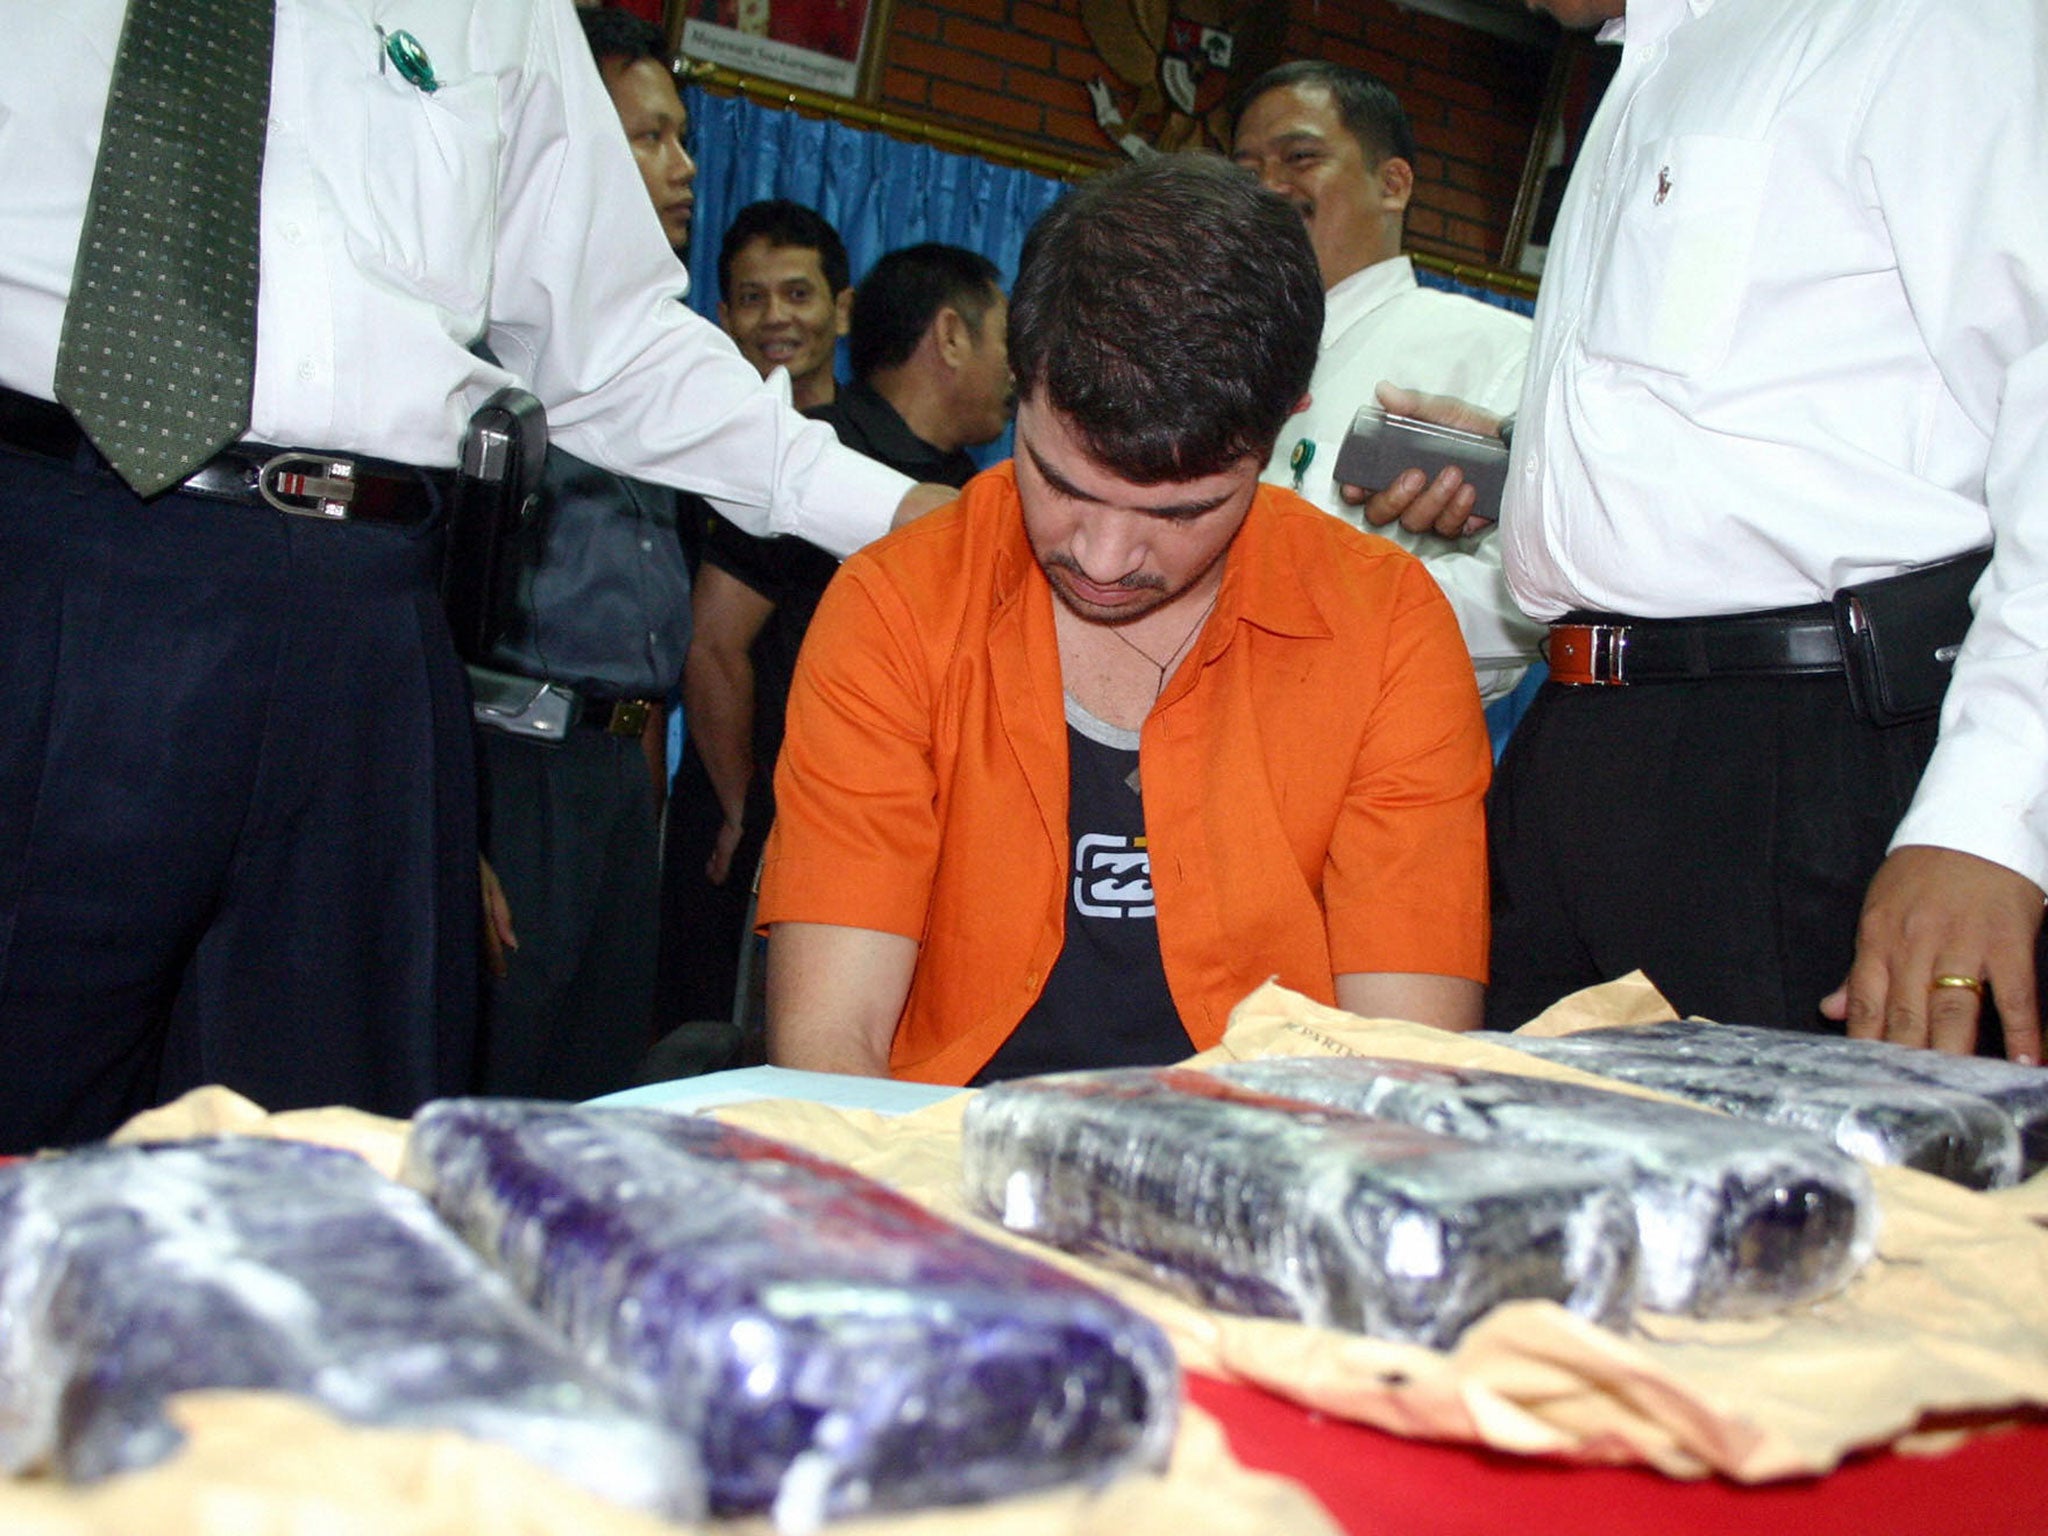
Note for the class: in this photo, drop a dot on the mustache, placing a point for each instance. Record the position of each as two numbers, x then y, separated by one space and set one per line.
1137 581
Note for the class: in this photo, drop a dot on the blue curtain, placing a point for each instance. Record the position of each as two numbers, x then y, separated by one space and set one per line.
878 192
1430 278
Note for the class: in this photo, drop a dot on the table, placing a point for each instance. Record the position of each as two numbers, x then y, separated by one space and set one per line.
1378 1483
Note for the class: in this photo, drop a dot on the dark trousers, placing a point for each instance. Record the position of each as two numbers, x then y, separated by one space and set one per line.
570 830
702 923
1716 835
237 814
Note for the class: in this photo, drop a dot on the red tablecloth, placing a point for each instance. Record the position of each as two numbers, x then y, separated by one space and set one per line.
1379 1484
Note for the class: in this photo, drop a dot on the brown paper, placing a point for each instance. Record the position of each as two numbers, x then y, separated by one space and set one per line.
379 1141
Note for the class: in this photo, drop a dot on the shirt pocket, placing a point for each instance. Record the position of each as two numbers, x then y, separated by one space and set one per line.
1678 263
428 215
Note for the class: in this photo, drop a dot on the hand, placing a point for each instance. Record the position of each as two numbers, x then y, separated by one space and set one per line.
1442 506
925 496
719 865
498 934
1939 912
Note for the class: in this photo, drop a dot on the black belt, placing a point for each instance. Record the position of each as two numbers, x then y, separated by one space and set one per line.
616 717
342 486
1611 650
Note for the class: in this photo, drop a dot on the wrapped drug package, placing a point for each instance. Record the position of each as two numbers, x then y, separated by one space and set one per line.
833 1347
1277 1208
1883 1104
131 1273
2018 1092
1732 1219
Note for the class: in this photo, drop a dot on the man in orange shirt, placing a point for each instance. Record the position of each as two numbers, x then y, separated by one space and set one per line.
1075 763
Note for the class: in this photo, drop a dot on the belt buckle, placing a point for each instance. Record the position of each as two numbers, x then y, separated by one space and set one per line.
308 484
629 717
1583 654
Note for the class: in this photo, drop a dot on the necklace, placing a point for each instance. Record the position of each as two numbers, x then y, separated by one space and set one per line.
1172 656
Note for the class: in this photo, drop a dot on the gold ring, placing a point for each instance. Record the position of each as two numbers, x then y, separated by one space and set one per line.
1966 983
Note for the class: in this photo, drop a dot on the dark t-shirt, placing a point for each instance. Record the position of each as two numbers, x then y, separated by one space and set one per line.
1106 1002
791 574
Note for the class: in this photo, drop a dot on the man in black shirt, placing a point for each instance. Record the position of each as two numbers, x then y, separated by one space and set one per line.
931 378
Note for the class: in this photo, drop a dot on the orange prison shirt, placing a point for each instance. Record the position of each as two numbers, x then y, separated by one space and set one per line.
1313 775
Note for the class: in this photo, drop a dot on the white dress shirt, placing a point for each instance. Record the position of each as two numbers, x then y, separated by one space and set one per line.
1379 323
1794 335
401 225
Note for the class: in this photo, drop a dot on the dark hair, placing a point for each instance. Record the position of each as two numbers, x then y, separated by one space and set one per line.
897 301
1171 311
781 222
1371 112
615 34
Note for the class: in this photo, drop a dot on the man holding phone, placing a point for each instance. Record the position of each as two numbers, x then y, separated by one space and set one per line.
1335 143
1790 380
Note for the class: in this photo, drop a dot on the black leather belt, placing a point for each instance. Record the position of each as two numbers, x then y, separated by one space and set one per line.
341 486
616 717
1604 649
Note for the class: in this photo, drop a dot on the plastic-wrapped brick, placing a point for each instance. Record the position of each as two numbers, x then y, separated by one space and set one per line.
131 1273
1733 1219
1858 1100
2018 1092
834 1347
1276 1208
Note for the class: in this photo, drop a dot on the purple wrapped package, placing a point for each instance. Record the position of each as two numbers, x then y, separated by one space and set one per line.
2019 1093
1734 1218
1882 1103
131 1273
1281 1209
834 1348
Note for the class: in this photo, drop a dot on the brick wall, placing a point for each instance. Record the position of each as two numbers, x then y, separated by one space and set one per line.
1018 71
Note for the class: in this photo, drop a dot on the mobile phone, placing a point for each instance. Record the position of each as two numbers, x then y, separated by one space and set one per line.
502 454
1380 446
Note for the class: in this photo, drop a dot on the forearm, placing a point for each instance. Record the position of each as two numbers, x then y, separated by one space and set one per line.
834 996
1443 1002
718 704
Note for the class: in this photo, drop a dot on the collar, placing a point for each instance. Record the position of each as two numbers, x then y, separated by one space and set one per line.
1355 297
1259 586
886 436
1653 18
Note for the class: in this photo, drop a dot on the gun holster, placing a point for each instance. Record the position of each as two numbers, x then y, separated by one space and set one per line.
494 506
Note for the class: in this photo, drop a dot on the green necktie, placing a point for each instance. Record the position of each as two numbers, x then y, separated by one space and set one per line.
158 354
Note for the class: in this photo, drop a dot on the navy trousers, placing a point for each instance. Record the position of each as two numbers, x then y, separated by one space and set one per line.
569 828
237 809
702 923
1716 835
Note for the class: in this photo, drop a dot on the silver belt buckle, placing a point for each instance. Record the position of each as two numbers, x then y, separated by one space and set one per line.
308 484
1587 655
1610 644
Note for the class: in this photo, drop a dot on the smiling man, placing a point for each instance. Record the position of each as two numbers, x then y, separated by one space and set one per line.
785 295
1077 762
1336 144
